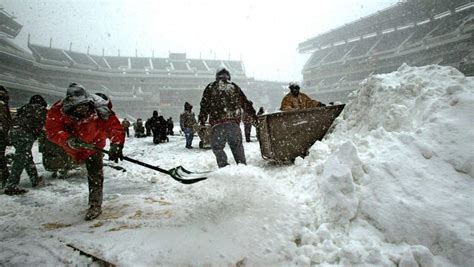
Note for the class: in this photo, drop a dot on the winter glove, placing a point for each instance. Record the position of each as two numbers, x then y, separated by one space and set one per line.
322 104
76 143
115 152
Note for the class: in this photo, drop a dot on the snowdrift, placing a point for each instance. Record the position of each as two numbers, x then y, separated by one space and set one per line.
398 169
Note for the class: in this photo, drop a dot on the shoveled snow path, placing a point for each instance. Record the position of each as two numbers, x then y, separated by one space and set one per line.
239 213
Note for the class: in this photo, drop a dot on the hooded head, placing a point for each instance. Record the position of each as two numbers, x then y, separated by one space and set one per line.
106 99
4 94
188 106
39 100
222 74
155 113
294 88
76 95
102 105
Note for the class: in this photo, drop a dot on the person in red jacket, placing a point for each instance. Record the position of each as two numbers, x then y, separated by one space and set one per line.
82 118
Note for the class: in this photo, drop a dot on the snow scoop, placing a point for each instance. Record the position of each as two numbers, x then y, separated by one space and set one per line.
287 135
179 173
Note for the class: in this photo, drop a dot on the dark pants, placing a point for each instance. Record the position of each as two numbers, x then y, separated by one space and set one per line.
247 130
223 133
3 160
189 134
23 159
159 135
95 177
127 131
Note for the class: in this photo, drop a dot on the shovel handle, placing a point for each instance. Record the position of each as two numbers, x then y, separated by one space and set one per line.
131 160
172 172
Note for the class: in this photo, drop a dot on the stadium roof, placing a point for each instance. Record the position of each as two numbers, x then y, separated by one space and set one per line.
400 14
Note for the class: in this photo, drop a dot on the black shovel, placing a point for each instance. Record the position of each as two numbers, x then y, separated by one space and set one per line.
179 173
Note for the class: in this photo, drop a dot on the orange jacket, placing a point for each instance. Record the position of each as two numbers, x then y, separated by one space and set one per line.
125 124
302 101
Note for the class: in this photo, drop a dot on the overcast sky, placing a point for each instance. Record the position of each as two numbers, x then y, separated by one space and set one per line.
263 33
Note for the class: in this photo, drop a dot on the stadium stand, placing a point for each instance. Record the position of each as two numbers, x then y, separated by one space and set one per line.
7 45
214 64
179 65
160 64
50 55
140 63
118 62
8 26
81 59
100 61
415 32
235 66
198 65
136 85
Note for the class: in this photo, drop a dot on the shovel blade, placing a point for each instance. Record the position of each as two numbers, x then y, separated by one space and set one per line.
185 177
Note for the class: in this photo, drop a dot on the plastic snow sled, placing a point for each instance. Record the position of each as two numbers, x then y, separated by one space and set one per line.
287 135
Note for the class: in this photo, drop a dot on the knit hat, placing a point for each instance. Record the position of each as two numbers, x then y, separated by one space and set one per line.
37 99
293 85
187 106
222 70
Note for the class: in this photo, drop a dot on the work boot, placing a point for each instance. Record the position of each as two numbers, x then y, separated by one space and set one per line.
93 212
62 174
39 182
13 191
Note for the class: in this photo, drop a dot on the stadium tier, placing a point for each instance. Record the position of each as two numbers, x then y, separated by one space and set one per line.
136 85
415 32
8 26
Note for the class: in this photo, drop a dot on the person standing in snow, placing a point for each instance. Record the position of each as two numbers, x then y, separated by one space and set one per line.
82 119
222 102
5 124
295 100
247 120
163 129
139 129
260 112
170 124
148 127
27 127
158 127
126 126
187 121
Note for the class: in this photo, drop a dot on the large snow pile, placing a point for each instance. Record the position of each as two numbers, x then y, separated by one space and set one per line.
400 161
392 184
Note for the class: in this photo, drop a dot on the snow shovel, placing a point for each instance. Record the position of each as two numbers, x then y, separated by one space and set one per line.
179 173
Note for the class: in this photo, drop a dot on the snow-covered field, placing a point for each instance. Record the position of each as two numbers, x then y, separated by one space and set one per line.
393 184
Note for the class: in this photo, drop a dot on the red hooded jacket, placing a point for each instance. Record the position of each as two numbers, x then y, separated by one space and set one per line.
93 130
